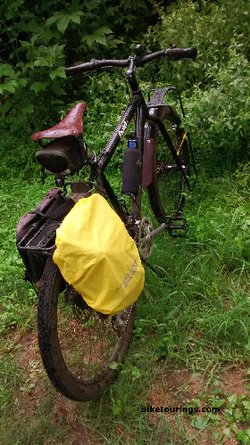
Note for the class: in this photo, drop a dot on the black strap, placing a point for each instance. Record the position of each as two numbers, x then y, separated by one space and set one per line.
58 212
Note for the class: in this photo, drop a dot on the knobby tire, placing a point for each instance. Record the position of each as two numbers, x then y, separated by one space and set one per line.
75 380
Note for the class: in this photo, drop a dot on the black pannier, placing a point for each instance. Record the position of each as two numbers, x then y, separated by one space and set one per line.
36 231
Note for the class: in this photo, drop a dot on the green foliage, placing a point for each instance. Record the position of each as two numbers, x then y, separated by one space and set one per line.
218 117
212 27
215 86
236 410
39 39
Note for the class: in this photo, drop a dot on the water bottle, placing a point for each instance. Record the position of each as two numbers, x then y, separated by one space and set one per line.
131 166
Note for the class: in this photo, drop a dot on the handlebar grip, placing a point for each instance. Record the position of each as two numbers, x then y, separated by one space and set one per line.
182 53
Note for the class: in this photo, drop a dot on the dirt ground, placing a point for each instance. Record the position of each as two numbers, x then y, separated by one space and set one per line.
173 389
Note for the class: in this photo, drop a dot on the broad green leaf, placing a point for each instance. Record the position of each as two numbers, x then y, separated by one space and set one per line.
8 87
26 44
227 432
90 39
113 365
76 16
42 61
238 415
104 30
217 403
199 423
54 18
232 399
57 51
22 82
246 404
38 86
242 437
59 72
6 70
101 39
63 23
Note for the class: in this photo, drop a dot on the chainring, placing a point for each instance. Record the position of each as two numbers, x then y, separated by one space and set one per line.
146 246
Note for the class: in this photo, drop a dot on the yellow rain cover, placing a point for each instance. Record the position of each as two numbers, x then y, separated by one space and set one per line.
98 257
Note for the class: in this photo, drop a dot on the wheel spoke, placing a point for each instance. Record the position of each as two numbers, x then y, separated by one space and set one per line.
77 343
166 190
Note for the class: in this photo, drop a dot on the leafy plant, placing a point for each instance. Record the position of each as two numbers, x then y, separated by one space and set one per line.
35 51
235 410
215 86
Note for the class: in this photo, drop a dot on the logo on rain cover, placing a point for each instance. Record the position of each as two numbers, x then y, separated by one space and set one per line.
129 275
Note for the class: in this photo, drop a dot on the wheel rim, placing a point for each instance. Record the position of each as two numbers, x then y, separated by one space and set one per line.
168 177
166 191
80 348
89 341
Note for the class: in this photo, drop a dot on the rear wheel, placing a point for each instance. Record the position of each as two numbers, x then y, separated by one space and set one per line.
166 191
80 347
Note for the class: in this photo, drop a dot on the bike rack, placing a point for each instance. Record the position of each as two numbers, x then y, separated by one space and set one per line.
159 97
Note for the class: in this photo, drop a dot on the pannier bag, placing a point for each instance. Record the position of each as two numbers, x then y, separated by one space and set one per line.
36 230
98 257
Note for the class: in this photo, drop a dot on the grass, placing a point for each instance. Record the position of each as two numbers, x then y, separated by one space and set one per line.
191 324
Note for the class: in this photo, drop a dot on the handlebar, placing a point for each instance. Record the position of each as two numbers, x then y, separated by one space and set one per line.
171 53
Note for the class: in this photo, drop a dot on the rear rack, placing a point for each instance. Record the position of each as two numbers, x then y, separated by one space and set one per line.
156 102
38 240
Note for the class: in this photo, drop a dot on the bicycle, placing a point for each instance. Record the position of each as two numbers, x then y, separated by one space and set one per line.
83 372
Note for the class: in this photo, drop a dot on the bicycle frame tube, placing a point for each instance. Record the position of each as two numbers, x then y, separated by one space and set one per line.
106 154
136 107
141 116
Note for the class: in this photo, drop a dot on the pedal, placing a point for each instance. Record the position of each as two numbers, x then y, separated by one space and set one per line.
177 227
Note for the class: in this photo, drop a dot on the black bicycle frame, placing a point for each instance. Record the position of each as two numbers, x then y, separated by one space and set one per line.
137 106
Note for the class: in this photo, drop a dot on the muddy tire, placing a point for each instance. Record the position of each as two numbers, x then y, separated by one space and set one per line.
80 347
